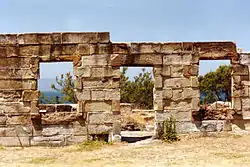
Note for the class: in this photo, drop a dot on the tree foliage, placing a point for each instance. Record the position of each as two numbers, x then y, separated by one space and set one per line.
216 86
139 91
65 86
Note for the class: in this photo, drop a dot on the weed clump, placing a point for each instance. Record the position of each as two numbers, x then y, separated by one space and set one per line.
169 130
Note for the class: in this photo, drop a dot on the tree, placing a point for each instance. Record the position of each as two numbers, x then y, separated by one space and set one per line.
216 86
139 91
65 85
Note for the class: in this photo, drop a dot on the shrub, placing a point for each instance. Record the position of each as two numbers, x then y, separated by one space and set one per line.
169 130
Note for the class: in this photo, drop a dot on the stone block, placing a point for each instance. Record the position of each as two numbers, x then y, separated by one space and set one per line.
84 49
10 96
17 130
101 84
192 70
8 51
244 59
178 115
112 94
236 103
90 37
184 105
158 81
83 95
104 48
98 95
75 139
170 48
195 103
8 39
116 127
176 71
215 126
3 120
50 108
18 74
177 83
116 106
240 70
177 94
167 93
44 38
83 71
120 48
30 95
18 84
148 59
194 82
190 93
13 108
68 49
14 141
246 113
173 59
158 99
99 129
187 59
101 118
245 103
98 107
95 60
29 50
18 120
56 130
166 71
78 83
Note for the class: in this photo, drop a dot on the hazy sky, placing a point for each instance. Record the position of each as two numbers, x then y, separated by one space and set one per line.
132 20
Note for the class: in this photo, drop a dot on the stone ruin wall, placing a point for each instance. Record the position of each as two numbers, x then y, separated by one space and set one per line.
96 62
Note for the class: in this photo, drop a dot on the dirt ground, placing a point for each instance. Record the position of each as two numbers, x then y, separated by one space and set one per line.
216 150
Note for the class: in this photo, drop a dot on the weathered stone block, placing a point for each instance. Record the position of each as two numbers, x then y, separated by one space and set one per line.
158 102
245 103
167 93
178 115
166 71
98 95
69 49
90 37
100 84
158 81
120 48
8 39
101 118
78 83
116 106
192 70
148 59
29 50
83 95
15 141
98 107
173 59
18 84
75 139
171 48
240 70
187 59
177 94
236 103
84 71
84 49
112 94
13 107
246 113
245 59
3 120
176 71
195 104
177 83
30 95
190 93
95 60
64 108
18 120
194 82
99 129
184 105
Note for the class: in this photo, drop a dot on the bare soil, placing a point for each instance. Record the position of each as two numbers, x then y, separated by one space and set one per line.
215 150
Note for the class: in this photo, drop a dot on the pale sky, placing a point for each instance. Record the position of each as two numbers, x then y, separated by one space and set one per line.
132 20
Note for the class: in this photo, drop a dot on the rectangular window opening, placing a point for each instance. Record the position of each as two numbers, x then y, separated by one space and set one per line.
56 83
215 88
136 102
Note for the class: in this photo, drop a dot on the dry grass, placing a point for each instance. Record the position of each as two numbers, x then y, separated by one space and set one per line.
216 150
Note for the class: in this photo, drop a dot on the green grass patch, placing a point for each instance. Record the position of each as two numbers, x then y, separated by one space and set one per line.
90 145
2 147
42 160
